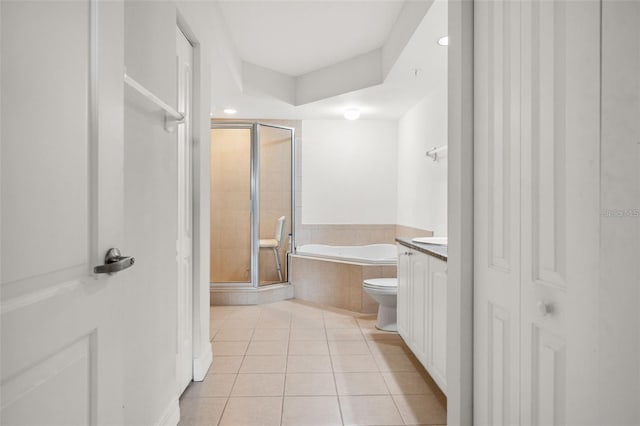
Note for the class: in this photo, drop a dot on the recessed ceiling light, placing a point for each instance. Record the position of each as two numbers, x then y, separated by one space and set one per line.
230 110
352 113
443 41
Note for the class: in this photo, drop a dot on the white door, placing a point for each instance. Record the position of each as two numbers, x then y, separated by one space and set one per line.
497 213
560 212
537 136
62 209
184 243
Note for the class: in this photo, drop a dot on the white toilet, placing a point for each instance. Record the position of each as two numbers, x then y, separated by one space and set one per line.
385 292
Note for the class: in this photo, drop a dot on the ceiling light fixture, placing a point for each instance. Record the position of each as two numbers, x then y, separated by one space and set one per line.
352 113
230 110
443 41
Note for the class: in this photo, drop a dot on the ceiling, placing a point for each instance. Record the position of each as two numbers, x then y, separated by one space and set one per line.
292 40
297 37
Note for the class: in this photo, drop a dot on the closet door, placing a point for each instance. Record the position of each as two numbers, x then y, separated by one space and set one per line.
537 136
497 213
560 211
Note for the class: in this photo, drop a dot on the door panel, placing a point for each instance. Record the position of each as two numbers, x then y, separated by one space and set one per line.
497 213
560 150
500 357
437 321
36 179
403 292
547 140
69 368
61 198
548 397
419 278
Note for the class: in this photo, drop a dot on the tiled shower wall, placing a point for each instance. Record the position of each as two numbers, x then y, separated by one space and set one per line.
230 212
353 235
345 235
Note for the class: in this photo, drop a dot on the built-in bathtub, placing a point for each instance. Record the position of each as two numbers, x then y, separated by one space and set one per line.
333 275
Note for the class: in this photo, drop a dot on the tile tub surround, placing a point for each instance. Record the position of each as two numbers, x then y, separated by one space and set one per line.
286 366
345 235
355 235
409 232
334 283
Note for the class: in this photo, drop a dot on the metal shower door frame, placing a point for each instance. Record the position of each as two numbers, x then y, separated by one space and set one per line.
255 188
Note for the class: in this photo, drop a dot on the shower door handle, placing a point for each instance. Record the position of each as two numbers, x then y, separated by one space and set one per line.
114 262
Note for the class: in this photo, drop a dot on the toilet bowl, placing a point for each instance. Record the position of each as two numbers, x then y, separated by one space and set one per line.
385 292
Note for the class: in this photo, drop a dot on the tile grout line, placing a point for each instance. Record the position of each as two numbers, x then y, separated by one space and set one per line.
236 378
226 402
286 369
333 372
393 400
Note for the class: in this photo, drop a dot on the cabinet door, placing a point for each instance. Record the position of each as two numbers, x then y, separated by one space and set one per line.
403 292
419 274
437 321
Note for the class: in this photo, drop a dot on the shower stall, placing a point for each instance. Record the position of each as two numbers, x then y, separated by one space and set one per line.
252 203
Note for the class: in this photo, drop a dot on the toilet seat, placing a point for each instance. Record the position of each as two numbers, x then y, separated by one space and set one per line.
382 285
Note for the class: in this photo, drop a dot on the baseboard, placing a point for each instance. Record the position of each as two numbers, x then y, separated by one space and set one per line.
171 416
201 364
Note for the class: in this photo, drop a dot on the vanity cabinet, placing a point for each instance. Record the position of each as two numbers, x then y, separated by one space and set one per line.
422 309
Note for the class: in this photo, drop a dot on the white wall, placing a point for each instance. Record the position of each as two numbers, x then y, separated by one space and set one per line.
619 294
349 172
150 388
422 183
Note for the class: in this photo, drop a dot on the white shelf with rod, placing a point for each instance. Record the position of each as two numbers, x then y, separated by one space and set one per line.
171 116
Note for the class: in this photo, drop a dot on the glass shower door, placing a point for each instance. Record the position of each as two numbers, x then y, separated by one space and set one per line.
231 183
274 219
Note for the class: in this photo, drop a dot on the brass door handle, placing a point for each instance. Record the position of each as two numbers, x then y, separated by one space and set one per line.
114 262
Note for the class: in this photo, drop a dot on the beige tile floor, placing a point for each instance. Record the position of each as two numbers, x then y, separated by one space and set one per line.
297 364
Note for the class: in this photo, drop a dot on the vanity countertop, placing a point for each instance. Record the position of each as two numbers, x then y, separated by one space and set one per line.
437 251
